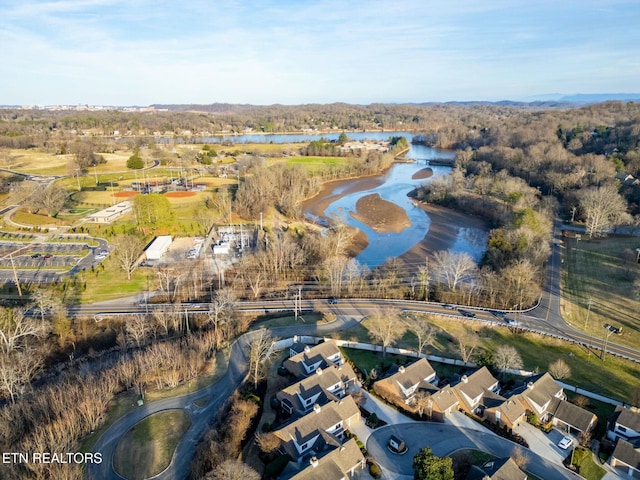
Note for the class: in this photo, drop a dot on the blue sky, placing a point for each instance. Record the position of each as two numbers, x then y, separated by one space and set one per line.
139 52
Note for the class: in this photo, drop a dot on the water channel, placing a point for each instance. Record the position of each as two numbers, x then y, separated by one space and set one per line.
396 183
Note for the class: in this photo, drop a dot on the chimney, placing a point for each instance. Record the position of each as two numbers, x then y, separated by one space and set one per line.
313 461
465 379
530 385
319 371
306 349
401 369
317 408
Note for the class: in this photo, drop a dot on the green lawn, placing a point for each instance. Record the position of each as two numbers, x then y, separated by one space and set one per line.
537 352
147 449
588 468
316 164
105 284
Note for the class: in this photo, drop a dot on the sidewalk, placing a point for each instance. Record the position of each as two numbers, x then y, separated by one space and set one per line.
384 411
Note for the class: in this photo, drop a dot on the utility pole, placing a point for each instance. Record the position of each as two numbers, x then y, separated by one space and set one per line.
15 275
586 320
607 333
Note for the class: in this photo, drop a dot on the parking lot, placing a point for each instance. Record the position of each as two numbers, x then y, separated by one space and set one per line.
36 259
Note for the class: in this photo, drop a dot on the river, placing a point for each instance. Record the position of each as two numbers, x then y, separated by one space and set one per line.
396 184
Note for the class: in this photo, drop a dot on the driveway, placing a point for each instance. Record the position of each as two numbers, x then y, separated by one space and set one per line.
445 440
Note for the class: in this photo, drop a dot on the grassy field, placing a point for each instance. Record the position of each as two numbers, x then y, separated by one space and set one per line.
26 218
105 284
597 270
147 448
537 352
35 161
316 164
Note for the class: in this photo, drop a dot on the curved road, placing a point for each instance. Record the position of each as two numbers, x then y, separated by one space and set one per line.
545 317
218 392
445 440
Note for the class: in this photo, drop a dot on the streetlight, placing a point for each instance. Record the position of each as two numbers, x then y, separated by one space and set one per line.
607 333
586 320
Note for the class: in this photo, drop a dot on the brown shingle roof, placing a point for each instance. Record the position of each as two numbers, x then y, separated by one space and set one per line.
307 427
414 373
541 390
498 469
444 399
476 384
334 465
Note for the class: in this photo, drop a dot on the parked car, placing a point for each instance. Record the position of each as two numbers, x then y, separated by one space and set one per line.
612 329
565 443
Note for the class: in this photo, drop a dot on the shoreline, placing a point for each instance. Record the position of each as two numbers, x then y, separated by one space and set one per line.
443 230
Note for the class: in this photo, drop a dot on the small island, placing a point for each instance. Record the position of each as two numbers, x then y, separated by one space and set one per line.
422 174
381 215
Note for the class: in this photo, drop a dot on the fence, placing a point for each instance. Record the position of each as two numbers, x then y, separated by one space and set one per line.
288 342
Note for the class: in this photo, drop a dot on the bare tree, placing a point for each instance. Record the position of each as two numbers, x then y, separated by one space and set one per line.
420 327
467 344
232 470
16 328
385 328
519 456
45 300
51 198
453 268
137 328
17 368
559 369
423 403
220 309
126 252
507 357
267 442
260 349
602 208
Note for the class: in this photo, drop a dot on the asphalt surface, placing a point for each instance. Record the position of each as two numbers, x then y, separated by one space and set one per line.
443 439
217 393
447 439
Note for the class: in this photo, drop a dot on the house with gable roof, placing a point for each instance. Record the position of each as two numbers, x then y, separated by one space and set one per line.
625 424
497 469
509 413
572 418
407 381
537 396
626 457
443 402
478 391
321 428
337 463
304 360
329 384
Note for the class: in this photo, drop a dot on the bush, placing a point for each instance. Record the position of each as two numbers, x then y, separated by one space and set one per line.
374 470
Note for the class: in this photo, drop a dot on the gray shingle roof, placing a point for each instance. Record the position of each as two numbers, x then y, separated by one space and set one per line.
625 452
573 415
627 418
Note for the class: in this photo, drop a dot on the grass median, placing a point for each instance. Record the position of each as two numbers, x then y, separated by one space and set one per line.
147 449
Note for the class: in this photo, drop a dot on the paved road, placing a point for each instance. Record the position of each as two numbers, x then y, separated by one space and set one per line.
447 439
218 393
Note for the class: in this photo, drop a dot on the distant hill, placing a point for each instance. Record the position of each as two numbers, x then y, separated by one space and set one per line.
599 97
